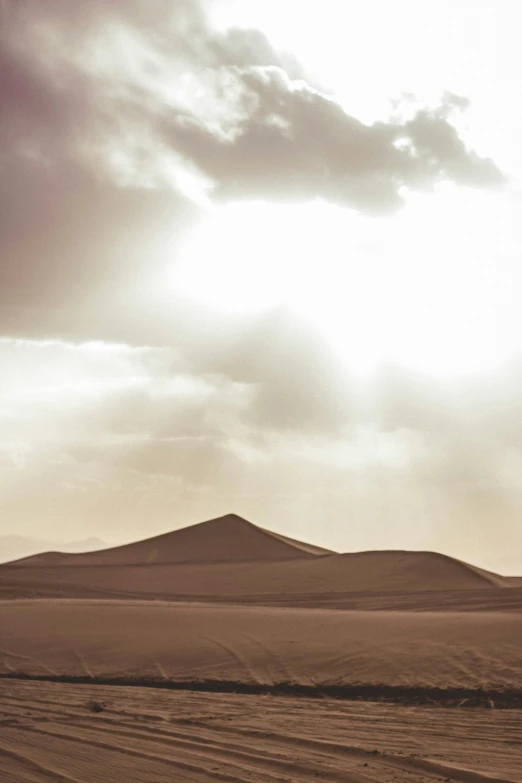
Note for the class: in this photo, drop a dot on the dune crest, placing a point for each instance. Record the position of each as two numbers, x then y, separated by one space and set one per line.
229 538
229 559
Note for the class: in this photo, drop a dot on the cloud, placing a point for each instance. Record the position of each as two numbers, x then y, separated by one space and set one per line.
77 254
119 118
84 84
297 385
160 99
91 185
288 142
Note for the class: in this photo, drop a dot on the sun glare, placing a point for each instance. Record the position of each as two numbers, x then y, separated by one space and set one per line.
431 288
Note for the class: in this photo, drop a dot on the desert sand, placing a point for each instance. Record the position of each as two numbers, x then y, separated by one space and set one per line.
229 617
50 732
231 560
262 645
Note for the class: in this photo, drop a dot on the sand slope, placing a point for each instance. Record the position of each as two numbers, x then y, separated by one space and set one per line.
201 583
372 579
261 644
225 539
230 559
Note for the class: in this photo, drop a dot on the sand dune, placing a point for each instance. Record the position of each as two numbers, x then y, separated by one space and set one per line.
229 606
201 616
230 559
225 539
194 583
377 578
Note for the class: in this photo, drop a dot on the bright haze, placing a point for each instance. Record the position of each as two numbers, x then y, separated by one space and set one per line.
263 257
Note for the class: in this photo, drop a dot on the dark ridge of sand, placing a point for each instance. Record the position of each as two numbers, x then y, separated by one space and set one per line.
224 539
389 694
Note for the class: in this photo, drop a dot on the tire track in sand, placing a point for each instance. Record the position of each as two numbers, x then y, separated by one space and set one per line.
240 761
37 766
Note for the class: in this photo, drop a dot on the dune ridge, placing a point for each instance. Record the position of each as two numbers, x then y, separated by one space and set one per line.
229 538
230 559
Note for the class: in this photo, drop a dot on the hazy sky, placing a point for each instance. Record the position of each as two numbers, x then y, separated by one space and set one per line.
263 257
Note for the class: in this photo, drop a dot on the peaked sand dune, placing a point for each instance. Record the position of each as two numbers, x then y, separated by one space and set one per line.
224 539
232 558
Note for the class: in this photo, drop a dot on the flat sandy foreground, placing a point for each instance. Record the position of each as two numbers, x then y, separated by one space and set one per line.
51 732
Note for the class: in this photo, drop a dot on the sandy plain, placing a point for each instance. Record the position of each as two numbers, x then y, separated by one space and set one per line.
49 732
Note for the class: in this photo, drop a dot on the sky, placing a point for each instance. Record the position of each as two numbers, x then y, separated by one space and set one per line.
263 257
